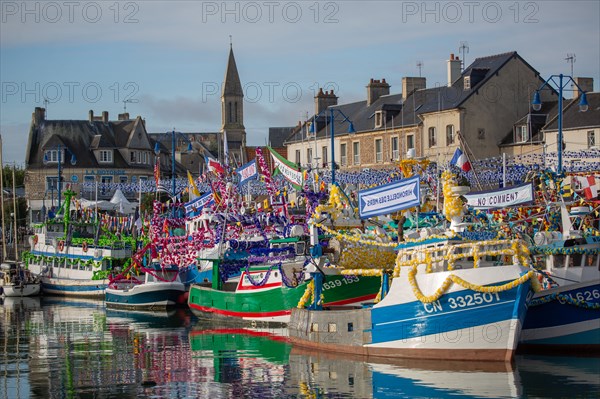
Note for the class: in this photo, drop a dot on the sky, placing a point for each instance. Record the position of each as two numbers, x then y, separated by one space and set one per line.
166 60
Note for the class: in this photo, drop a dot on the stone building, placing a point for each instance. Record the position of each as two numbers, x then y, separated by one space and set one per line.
474 109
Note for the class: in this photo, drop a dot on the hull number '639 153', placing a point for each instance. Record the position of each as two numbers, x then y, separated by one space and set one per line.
340 282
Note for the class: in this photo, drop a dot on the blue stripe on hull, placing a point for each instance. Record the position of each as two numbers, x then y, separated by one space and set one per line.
555 313
415 319
560 323
68 289
144 298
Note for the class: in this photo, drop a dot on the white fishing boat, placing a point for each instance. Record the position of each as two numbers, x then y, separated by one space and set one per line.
71 259
447 300
16 281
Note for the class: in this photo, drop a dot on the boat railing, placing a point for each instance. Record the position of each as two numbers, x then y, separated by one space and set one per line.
451 256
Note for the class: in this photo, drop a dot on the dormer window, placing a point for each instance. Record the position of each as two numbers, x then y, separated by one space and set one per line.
105 156
379 119
51 156
467 82
521 134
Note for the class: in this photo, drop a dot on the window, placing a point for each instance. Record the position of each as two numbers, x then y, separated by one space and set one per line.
132 157
356 152
431 135
106 156
90 187
449 134
591 138
51 183
410 141
343 154
143 178
481 134
230 112
379 118
297 157
146 158
309 156
104 181
123 179
395 149
51 156
378 151
324 155
521 134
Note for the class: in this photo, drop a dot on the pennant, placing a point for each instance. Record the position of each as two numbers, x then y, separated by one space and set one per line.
247 172
460 160
288 169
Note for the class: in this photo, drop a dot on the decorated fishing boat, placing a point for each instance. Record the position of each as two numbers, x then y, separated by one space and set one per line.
16 281
160 288
71 258
448 298
565 314
271 283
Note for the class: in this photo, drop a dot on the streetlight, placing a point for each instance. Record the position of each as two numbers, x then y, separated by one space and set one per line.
59 148
536 104
332 122
173 139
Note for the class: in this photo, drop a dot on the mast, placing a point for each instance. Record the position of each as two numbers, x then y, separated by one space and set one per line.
15 238
2 202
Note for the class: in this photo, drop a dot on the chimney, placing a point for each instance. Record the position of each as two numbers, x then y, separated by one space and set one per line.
324 100
376 89
410 84
105 116
124 116
91 115
38 116
453 69
586 84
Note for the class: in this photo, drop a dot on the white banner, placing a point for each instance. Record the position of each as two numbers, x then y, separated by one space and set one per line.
389 198
501 198
194 207
294 176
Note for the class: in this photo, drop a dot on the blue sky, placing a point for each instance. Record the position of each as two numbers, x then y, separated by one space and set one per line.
169 58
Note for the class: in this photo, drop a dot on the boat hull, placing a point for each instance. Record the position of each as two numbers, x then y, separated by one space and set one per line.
274 305
145 296
71 287
461 325
28 289
564 318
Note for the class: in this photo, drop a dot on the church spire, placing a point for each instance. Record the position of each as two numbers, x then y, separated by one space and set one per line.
232 85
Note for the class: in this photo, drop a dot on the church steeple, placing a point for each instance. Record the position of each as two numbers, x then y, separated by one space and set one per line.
232 110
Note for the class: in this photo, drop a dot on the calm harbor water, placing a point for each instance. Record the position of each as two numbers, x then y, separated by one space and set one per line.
73 348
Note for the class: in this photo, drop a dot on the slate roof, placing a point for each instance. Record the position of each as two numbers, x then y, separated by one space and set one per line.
399 113
573 118
277 135
537 120
232 84
79 136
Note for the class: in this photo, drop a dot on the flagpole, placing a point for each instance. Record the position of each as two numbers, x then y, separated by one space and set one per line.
467 149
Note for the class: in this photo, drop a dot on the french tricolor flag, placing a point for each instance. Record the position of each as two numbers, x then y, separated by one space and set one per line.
460 159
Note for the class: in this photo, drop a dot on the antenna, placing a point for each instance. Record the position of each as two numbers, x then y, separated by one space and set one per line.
463 49
46 102
571 59
420 66
129 100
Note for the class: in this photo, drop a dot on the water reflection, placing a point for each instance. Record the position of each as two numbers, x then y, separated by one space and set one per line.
72 348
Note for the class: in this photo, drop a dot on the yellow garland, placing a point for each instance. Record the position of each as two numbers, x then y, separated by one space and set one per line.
355 238
308 293
452 202
465 284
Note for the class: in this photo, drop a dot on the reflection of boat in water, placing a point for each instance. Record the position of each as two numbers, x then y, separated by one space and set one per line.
247 357
147 320
401 378
28 303
564 377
